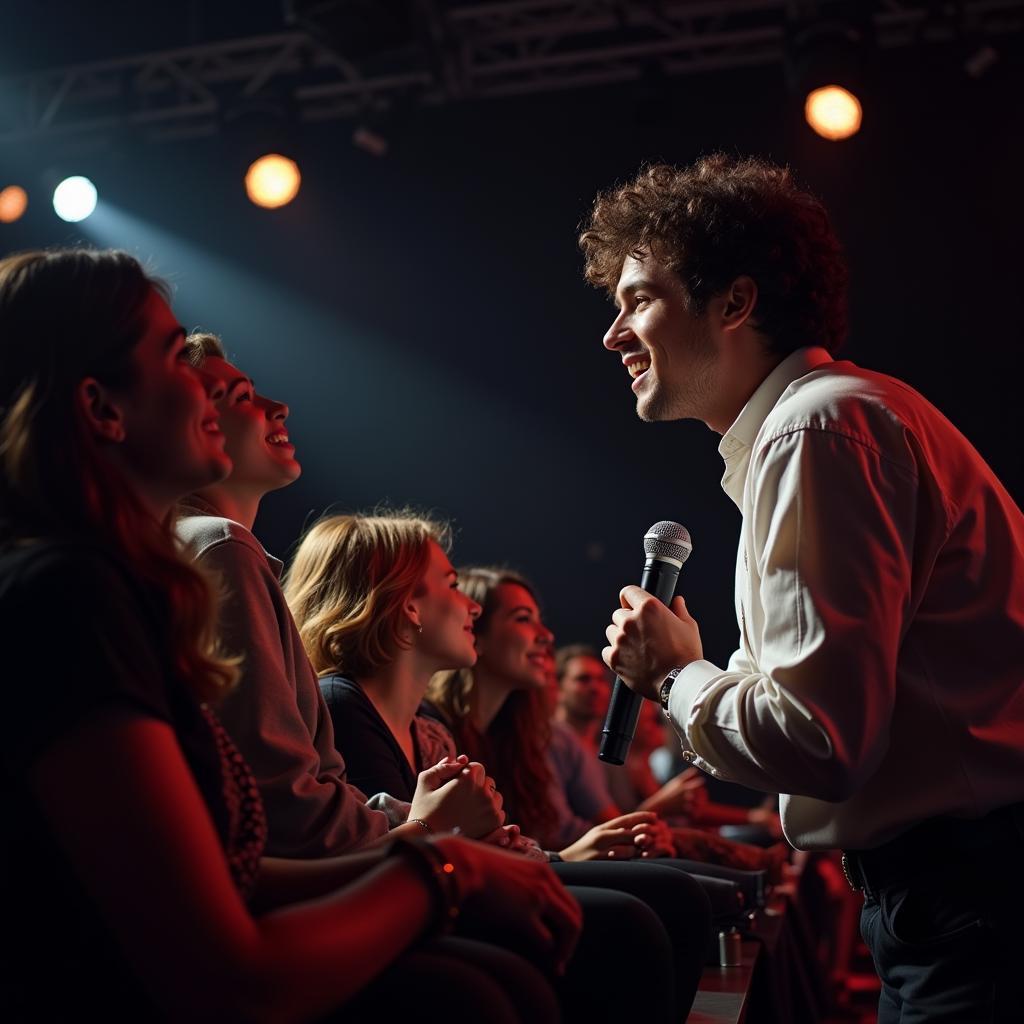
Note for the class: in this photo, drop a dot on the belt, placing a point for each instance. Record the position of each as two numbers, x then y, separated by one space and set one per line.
934 845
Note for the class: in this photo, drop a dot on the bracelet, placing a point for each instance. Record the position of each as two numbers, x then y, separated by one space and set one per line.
438 872
420 821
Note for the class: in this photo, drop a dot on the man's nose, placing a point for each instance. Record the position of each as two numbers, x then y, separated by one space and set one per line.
618 333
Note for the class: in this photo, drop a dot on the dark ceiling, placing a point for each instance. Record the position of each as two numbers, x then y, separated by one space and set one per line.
52 33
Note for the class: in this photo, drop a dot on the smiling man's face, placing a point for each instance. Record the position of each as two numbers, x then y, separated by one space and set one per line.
668 351
254 429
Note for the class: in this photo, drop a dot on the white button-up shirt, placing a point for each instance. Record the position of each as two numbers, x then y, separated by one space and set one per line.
879 679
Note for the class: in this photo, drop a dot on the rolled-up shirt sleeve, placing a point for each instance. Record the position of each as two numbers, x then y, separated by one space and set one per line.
823 595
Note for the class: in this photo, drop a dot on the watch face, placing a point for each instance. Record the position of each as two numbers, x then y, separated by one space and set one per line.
666 690
666 687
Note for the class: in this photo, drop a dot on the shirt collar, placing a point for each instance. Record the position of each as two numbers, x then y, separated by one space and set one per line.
736 442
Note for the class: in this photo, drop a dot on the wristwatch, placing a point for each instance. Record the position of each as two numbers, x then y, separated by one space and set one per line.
665 689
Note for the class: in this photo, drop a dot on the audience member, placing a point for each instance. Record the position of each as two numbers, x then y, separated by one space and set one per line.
584 690
498 711
139 832
682 801
277 714
347 600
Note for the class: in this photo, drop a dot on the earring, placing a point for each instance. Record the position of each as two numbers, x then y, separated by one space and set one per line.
419 629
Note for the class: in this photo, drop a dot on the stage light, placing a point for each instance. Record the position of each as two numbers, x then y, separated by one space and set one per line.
74 199
13 204
827 63
833 112
273 181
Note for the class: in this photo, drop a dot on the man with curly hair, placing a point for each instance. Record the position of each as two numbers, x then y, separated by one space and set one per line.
878 684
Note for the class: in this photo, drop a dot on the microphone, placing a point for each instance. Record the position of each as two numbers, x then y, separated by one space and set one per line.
666 546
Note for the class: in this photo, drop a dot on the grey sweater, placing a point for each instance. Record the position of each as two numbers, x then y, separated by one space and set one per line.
277 716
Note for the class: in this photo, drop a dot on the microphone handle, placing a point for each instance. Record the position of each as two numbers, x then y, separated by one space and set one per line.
659 580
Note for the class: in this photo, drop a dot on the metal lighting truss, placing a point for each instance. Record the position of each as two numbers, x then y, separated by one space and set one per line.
458 51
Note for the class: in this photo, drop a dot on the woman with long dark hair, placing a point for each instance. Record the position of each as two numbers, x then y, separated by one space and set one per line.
499 708
133 878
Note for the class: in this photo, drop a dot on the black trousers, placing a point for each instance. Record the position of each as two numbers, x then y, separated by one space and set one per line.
622 966
640 954
948 943
461 981
680 905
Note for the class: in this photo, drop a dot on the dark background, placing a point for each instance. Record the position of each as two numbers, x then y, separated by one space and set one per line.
425 317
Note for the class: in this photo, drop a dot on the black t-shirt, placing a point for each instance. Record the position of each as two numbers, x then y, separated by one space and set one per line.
374 759
79 633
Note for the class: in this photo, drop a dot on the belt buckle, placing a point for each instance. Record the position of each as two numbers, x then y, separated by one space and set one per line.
845 861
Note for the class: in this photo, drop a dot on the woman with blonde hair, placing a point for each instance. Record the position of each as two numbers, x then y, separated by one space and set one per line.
383 615
377 596
139 831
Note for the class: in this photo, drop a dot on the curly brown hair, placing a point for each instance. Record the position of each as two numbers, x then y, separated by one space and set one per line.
722 218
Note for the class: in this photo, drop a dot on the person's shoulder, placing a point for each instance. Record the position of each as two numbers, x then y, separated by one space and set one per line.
231 550
201 533
338 689
561 732
429 710
82 603
564 742
432 728
846 400
433 740
60 570
822 396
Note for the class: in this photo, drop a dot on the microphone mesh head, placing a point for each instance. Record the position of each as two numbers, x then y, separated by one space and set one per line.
668 540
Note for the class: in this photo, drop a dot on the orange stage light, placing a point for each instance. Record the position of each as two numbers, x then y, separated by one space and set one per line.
13 204
833 112
272 181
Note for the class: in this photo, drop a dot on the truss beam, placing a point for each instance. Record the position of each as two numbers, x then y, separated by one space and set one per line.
476 50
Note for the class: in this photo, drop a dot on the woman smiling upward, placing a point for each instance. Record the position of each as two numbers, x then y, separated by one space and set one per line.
139 831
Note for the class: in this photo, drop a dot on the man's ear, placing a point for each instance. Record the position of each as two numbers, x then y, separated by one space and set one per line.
738 302
102 415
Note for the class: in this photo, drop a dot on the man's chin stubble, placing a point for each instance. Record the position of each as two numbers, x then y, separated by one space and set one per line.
656 411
